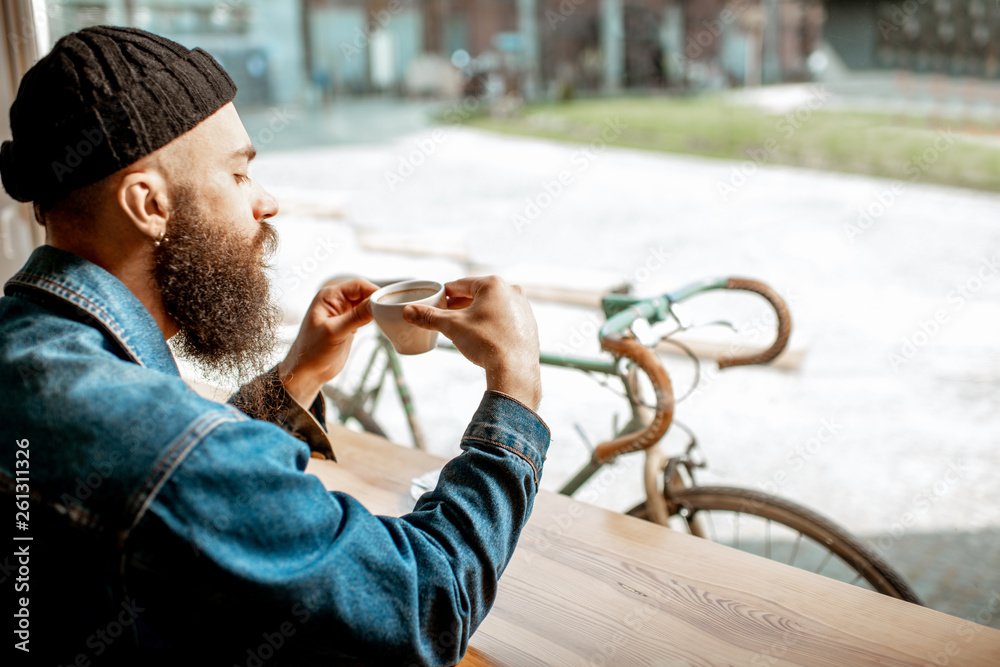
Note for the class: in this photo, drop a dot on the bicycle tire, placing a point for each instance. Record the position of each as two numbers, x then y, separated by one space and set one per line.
343 404
881 576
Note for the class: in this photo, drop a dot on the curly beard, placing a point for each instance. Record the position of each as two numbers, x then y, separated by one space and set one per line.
214 286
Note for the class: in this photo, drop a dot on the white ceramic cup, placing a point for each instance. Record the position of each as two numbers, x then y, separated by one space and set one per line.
387 308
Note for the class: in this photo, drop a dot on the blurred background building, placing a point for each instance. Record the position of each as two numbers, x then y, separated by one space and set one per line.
955 37
327 48
337 47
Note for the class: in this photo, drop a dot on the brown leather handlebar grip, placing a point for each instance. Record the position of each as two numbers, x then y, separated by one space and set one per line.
784 325
647 360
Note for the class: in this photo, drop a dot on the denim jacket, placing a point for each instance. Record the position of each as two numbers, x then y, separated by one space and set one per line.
165 526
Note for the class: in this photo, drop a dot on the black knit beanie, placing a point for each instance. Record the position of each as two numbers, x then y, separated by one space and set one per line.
102 99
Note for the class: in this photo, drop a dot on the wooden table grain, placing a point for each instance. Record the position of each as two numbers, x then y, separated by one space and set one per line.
590 587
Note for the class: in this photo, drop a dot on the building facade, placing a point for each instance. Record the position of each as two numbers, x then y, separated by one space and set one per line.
951 37
279 51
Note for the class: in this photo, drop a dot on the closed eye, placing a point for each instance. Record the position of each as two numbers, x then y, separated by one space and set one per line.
242 178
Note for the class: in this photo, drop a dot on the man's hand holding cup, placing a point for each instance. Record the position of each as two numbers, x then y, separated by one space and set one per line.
491 323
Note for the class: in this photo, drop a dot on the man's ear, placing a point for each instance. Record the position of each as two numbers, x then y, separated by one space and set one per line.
142 196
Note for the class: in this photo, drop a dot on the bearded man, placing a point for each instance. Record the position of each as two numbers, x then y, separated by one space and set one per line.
164 525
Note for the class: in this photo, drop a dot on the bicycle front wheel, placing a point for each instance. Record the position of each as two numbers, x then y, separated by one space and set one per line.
782 531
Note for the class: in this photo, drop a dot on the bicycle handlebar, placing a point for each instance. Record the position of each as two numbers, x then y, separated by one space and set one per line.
647 360
784 324
623 311
614 340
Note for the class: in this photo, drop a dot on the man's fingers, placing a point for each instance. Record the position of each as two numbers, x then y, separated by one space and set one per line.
460 288
359 289
458 302
362 313
347 293
345 305
469 287
427 317
353 319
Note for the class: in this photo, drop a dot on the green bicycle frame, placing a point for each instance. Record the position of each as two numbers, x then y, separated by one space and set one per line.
392 366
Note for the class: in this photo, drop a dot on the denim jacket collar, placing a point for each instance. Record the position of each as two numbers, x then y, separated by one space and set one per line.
53 276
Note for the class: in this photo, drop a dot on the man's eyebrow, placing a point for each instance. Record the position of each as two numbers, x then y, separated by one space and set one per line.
248 152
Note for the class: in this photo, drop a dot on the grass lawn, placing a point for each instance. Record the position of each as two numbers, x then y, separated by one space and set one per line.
908 149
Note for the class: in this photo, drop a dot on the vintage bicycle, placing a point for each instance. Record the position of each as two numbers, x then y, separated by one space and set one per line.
746 519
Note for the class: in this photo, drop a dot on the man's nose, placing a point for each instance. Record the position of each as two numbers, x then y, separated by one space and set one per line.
266 206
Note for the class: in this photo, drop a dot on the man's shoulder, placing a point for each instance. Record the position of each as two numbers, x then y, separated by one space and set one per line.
29 325
45 355
69 388
58 291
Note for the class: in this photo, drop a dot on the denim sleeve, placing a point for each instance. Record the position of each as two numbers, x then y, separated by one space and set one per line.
263 538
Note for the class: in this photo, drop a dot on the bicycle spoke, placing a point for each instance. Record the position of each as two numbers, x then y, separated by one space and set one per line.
829 555
774 526
795 549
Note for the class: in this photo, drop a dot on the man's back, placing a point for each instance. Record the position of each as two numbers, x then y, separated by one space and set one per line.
103 416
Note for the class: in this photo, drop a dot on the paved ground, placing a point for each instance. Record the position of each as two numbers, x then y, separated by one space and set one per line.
889 426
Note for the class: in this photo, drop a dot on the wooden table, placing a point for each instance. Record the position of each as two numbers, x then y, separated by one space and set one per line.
590 587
